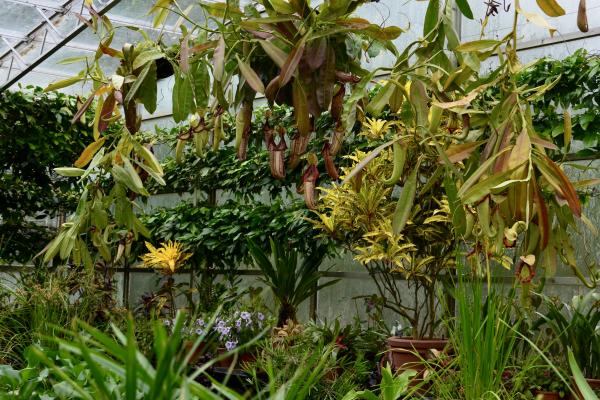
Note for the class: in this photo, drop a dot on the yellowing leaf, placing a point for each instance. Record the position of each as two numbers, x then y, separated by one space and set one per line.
568 128
478 45
537 19
88 153
551 8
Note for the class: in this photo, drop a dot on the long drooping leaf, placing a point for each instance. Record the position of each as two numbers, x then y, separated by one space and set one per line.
250 76
551 8
405 202
365 161
291 63
300 108
559 181
277 55
465 9
88 153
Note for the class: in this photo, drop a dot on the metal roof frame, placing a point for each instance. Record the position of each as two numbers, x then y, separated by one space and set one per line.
28 67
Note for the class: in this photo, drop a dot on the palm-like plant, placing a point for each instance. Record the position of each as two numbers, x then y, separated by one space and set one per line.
291 281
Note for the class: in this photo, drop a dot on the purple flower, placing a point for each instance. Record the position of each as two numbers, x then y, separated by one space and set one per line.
230 345
199 332
167 322
238 323
221 323
200 322
245 315
261 316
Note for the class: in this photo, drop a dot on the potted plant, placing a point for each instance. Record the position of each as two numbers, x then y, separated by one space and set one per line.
545 384
575 328
291 280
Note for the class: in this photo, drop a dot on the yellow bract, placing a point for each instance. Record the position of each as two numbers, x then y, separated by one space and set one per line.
166 258
374 128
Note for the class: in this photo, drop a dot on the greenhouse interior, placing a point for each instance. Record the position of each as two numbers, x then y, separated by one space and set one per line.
299 199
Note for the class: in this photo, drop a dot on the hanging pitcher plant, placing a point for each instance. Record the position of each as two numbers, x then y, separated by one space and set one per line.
105 217
506 186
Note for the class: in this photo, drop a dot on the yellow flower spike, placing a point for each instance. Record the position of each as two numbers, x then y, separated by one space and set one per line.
166 258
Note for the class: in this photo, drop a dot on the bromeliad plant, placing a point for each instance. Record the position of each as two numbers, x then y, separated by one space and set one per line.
167 259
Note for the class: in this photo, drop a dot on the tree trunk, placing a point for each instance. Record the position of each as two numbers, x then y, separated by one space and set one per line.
286 312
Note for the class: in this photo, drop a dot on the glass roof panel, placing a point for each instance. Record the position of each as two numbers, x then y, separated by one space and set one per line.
32 27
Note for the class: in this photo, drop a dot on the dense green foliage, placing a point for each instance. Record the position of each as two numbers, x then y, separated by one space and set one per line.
217 234
577 88
222 170
36 135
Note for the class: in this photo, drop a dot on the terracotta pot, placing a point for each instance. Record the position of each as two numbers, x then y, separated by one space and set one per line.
594 384
407 353
200 350
546 395
242 358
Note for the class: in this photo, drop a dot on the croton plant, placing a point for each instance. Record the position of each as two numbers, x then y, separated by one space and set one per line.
461 142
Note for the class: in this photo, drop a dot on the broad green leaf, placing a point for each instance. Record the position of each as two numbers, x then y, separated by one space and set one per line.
183 98
201 79
131 94
580 381
146 56
431 17
482 170
281 6
484 188
465 9
381 99
147 92
145 154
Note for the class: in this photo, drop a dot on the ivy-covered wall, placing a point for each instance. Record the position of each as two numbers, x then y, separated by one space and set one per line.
36 135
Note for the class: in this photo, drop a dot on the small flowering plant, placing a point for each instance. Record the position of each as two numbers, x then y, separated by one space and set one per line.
228 331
